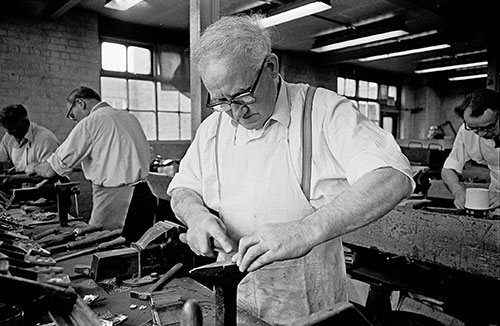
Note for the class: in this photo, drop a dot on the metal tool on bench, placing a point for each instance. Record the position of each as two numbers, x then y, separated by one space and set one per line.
69 235
225 276
100 247
23 260
158 285
27 246
97 237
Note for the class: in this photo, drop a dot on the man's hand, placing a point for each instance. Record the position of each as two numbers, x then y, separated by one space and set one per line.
208 234
42 169
273 242
459 198
494 199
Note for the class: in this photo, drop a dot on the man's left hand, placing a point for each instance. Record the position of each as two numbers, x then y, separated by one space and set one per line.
273 242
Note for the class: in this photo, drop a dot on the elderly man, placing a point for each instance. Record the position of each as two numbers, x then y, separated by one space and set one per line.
113 152
25 142
244 186
478 139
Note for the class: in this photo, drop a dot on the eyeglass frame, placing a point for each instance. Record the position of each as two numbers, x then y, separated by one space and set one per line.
488 128
70 114
248 92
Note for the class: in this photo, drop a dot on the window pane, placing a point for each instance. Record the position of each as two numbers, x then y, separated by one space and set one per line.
387 124
363 89
142 95
168 100
184 103
148 123
383 92
393 93
114 91
113 56
139 60
185 126
372 90
340 86
363 108
373 111
168 126
350 87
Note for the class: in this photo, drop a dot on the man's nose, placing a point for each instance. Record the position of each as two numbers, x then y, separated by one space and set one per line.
238 110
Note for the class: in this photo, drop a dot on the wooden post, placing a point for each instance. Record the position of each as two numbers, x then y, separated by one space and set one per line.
201 14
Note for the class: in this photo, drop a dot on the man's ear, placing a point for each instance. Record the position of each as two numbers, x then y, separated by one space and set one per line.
273 65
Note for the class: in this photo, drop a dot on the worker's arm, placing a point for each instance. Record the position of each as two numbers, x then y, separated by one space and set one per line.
41 169
452 182
201 224
368 199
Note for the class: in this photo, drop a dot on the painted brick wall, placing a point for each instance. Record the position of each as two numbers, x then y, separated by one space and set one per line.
41 61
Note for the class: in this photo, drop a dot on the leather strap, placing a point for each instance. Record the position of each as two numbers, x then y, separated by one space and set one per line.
307 142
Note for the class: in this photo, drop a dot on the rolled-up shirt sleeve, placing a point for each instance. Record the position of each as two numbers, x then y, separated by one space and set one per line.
72 151
359 145
458 156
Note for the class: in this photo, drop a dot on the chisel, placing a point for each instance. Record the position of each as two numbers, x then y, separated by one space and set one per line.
101 247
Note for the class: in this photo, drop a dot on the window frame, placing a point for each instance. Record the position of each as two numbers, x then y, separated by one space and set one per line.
153 77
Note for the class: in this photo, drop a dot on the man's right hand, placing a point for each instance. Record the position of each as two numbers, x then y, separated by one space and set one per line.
208 236
459 198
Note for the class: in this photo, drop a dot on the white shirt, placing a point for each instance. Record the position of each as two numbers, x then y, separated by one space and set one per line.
469 146
345 145
110 145
36 146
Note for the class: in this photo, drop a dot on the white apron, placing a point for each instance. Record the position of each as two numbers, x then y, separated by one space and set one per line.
258 186
110 206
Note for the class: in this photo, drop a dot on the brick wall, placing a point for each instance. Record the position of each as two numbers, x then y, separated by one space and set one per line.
41 62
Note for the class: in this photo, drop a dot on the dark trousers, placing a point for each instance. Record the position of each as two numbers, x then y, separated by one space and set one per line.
141 213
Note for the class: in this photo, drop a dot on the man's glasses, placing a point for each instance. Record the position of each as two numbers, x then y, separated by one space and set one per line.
487 128
244 98
70 114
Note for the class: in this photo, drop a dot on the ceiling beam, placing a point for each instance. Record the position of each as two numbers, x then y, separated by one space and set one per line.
63 8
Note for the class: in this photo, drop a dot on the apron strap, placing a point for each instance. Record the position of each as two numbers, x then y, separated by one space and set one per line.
307 142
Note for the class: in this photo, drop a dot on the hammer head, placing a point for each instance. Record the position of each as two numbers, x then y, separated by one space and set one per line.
225 272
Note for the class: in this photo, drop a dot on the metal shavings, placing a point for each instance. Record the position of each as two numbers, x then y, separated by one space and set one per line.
133 306
142 307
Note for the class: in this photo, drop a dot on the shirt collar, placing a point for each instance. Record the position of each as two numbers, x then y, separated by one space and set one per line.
282 107
28 137
98 106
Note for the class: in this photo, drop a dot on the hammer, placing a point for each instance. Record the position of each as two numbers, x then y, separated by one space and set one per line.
225 276
158 285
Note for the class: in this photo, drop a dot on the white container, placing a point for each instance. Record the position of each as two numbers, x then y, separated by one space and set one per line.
477 198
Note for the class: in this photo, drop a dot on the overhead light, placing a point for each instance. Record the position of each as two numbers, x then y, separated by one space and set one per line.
359 41
361 34
468 77
295 13
406 52
121 4
453 67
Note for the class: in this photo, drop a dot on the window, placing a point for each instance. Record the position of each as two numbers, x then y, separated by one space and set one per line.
131 80
369 97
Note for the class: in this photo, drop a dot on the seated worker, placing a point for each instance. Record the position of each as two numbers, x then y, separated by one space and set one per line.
25 142
478 139
113 152
239 184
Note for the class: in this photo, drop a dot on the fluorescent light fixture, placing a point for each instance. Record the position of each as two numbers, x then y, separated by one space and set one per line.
403 53
359 41
452 67
468 77
295 13
121 4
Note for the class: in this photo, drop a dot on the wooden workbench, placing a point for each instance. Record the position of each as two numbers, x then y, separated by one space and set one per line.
458 242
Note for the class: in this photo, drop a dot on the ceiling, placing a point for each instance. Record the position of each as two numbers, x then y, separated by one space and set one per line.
466 26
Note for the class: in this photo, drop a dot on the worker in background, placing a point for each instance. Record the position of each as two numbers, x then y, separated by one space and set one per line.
113 152
239 184
478 139
25 142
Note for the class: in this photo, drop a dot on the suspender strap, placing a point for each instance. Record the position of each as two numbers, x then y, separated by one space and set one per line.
307 142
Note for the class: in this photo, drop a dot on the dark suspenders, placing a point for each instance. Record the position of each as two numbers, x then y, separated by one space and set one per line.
307 142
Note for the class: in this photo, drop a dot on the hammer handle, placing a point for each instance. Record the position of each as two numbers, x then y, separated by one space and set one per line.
165 278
